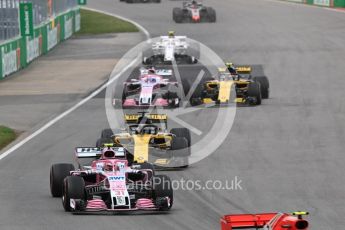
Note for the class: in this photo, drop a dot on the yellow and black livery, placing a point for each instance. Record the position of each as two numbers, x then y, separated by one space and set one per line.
233 85
147 139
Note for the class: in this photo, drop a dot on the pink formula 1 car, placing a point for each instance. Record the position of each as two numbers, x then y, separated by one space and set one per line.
105 182
150 90
268 221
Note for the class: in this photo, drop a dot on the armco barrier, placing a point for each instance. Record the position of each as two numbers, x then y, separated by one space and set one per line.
18 53
327 3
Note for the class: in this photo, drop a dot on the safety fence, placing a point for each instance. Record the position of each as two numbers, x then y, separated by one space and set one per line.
53 22
327 3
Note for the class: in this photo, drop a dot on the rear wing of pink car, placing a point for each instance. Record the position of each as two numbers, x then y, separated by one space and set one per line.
85 155
96 152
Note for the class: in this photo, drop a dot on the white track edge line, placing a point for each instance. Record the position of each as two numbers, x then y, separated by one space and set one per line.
83 101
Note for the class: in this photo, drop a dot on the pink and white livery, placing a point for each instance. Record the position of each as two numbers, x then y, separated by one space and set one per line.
151 89
106 183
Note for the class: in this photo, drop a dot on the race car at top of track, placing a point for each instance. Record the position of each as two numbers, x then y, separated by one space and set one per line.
150 90
109 184
268 221
141 1
193 11
233 84
171 48
148 139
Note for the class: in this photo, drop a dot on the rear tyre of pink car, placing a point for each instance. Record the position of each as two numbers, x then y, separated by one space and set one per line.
58 172
101 141
107 133
145 165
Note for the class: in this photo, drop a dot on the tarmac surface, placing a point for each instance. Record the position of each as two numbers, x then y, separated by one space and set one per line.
288 152
56 81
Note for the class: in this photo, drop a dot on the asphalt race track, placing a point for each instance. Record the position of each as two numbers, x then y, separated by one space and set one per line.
288 152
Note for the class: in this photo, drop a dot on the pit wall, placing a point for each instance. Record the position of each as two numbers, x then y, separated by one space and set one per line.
327 3
18 53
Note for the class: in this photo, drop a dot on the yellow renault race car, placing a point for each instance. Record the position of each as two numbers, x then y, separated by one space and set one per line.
233 86
147 138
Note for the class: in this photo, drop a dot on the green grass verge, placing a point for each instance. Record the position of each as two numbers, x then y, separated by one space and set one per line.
93 23
7 135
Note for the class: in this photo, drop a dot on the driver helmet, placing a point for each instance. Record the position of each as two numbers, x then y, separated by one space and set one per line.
151 70
171 34
109 167
231 67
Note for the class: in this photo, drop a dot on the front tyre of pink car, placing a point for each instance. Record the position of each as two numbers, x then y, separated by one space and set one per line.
163 192
73 188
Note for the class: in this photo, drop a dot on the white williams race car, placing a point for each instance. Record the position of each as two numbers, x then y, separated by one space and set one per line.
171 48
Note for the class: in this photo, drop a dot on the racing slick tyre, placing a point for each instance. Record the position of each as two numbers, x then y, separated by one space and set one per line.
107 133
182 132
156 1
195 101
196 98
162 190
147 56
180 151
198 94
173 96
101 141
192 60
177 15
129 1
255 92
58 172
264 86
179 147
145 165
193 53
73 188
212 17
